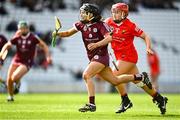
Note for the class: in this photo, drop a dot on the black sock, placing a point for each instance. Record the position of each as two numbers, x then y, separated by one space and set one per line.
125 97
92 100
158 97
138 77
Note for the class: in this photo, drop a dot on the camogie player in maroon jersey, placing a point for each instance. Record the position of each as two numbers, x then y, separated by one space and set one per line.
122 44
94 30
25 43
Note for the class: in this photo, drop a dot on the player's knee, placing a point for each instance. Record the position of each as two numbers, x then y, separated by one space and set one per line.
14 77
115 83
86 76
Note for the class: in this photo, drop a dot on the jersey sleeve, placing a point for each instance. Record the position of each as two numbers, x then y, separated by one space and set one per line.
37 39
78 26
105 29
107 21
3 38
14 40
3 41
136 30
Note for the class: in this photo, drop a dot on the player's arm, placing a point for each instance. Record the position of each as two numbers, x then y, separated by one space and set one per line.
66 33
45 48
7 46
103 42
147 40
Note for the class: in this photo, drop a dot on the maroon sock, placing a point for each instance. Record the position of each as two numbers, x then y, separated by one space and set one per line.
138 77
92 100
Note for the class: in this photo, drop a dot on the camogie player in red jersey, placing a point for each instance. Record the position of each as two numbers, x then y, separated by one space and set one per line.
25 43
94 30
126 55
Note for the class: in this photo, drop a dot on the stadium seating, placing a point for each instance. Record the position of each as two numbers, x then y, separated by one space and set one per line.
161 25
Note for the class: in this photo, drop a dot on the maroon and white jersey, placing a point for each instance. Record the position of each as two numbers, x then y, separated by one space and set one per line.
92 33
26 46
3 41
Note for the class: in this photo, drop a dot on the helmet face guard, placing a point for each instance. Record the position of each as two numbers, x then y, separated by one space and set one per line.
85 16
88 12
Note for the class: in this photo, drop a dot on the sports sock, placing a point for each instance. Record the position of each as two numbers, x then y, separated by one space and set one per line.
124 97
10 97
158 96
92 100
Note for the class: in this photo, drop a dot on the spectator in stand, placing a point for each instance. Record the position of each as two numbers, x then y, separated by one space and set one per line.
154 65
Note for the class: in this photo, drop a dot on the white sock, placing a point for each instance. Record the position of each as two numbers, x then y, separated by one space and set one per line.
10 97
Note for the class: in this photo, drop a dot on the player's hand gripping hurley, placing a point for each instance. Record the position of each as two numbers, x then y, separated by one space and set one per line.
57 27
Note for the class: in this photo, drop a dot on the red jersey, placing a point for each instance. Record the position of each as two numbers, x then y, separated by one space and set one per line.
3 41
92 33
26 46
123 37
154 64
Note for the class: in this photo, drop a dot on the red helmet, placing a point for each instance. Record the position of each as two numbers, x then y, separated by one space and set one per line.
120 6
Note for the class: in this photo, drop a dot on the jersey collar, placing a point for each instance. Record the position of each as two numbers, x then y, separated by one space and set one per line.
25 37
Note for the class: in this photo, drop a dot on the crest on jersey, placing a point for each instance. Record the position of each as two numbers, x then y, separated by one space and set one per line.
95 30
123 31
96 57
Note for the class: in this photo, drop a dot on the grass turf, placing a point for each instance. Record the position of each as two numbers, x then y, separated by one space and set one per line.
65 107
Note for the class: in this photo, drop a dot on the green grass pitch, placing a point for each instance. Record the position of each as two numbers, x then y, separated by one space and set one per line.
65 107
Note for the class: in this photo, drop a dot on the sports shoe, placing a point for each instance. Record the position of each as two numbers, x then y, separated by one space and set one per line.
88 107
146 80
161 104
124 106
16 88
10 99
